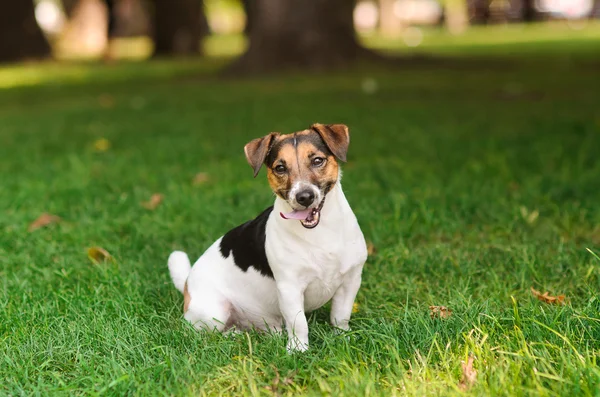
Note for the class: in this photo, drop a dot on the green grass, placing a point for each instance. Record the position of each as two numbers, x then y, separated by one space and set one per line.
501 40
446 168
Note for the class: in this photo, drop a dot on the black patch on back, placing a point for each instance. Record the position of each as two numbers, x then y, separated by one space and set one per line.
247 242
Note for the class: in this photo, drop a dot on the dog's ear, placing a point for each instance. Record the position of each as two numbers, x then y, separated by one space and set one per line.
257 150
336 137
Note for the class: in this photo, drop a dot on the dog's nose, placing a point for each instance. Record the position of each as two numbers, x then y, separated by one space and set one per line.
305 197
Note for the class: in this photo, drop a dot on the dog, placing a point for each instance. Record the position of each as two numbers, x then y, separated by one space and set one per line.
293 258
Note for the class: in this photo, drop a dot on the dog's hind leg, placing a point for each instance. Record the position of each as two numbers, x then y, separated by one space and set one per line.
209 311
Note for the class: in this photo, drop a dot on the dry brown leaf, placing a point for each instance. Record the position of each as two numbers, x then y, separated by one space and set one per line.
546 297
106 101
288 380
101 145
99 255
529 216
371 250
154 201
469 374
274 387
44 220
439 312
200 178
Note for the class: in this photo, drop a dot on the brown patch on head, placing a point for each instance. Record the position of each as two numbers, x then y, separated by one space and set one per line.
282 155
186 298
336 137
302 156
325 175
256 151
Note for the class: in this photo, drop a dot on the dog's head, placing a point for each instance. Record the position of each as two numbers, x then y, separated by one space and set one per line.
301 167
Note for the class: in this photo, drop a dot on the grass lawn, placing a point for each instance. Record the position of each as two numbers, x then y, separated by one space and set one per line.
472 184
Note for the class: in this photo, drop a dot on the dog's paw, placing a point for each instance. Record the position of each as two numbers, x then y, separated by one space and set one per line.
342 333
232 332
341 330
294 346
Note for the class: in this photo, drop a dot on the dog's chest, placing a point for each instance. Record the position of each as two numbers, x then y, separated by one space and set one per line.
320 290
324 273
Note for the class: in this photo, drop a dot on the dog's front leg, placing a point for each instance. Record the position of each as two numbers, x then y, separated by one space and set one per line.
343 299
291 304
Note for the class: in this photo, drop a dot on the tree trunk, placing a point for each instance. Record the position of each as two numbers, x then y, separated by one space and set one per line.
248 9
20 36
69 6
295 34
131 17
595 10
480 12
529 12
179 26
85 33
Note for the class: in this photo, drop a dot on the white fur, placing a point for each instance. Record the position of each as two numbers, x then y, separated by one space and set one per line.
179 268
299 186
311 266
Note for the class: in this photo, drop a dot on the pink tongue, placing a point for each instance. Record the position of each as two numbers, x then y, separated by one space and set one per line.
302 215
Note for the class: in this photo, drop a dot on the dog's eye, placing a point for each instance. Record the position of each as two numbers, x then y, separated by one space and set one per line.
318 161
280 169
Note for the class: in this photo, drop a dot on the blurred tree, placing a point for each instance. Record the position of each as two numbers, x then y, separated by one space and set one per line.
529 11
248 7
69 6
456 16
179 26
85 33
313 34
20 36
130 17
479 11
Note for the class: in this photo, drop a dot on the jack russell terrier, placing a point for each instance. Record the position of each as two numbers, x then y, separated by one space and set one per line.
300 253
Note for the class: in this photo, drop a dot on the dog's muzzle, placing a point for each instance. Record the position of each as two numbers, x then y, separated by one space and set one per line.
309 218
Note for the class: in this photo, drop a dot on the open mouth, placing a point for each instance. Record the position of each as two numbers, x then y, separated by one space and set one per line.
309 218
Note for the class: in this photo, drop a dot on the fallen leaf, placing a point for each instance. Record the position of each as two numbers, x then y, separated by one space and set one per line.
102 145
355 307
439 312
154 201
44 220
469 374
200 178
514 186
99 255
546 297
274 387
288 380
529 216
274 384
371 248
106 101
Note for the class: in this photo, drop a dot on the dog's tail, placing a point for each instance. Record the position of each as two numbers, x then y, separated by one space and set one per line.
179 268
